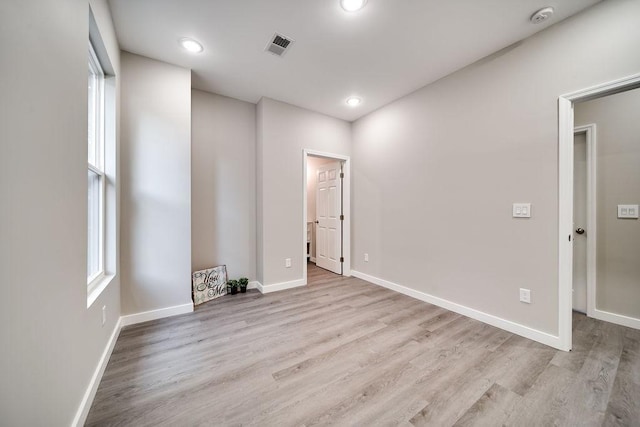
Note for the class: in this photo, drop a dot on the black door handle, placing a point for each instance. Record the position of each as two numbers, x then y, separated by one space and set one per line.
580 230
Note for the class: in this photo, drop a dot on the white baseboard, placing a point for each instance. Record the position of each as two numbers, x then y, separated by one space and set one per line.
265 289
312 259
507 325
145 316
90 393
618 319
254 285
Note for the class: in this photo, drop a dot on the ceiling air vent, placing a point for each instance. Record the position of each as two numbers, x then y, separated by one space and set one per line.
279 44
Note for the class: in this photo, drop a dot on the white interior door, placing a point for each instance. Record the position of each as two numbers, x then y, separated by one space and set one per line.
580 233
328 223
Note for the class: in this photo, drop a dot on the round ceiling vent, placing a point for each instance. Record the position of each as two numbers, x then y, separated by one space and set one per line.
541 15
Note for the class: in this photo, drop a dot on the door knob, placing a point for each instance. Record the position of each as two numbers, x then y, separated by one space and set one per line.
580 230
317 222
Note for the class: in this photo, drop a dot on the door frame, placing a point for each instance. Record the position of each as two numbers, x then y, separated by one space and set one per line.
565 197
346 208
591 141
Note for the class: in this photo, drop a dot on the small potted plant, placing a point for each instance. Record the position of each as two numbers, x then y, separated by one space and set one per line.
232 286
243 282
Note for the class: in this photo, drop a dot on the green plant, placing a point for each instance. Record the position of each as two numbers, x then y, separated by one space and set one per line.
232 286
243 282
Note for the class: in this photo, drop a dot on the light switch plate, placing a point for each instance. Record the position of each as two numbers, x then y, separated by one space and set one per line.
628 211
522 210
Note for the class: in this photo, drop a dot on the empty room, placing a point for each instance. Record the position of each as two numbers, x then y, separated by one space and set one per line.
320 212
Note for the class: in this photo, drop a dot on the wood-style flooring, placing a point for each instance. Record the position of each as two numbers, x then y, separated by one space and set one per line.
345 352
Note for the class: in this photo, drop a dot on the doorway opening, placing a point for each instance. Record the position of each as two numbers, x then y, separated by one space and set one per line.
326 213
566 230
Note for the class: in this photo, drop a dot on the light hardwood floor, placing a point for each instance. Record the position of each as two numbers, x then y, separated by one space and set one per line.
342 351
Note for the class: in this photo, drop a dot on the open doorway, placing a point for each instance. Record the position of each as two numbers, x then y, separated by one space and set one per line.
326 213
597 302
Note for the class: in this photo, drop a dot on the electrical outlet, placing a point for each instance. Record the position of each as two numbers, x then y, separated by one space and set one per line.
521 210
104 314
628 211
525 295
366 257
287 262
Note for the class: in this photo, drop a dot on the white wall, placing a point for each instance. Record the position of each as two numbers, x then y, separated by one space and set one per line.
436 172
156 185
223 180
283 132
618 182
51 342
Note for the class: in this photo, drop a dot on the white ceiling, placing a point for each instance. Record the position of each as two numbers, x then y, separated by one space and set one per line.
380 53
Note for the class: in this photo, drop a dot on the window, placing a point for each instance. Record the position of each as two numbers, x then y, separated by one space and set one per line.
96 172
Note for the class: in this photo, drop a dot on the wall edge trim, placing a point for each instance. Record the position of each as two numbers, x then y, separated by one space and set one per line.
87 400
507 325
145 316
265 289
618 319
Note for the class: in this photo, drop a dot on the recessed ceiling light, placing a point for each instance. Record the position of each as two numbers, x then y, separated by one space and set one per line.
353 101
352 5
191 45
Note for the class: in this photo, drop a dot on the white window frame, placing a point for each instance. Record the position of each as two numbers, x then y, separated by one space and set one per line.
98 168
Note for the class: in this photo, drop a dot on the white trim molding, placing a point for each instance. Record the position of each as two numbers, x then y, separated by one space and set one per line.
565 223
266 289
95 288
565 194
507 325
618 319
90 393
145 316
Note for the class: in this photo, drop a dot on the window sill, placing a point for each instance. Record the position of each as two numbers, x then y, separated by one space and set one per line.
96 287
